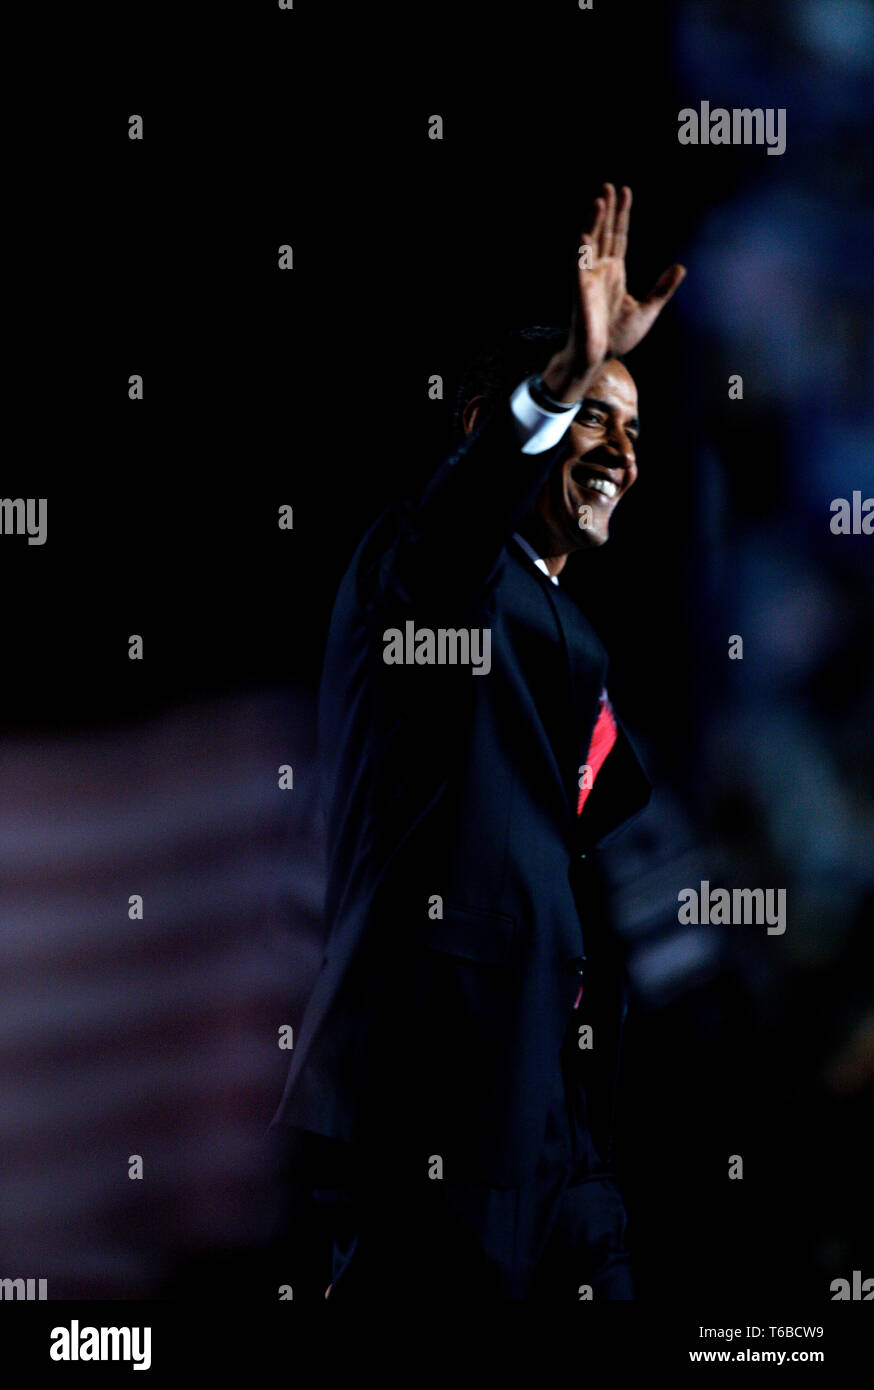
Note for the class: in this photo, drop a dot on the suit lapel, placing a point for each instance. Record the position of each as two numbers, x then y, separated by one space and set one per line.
586 661
622 787
585 667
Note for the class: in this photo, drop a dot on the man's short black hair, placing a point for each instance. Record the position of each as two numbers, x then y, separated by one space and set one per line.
497 369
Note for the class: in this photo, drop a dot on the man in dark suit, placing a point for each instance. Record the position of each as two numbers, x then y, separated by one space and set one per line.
449 1104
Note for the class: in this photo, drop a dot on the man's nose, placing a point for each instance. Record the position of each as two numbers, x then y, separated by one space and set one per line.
620 445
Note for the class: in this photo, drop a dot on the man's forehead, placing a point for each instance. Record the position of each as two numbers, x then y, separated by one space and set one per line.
615 385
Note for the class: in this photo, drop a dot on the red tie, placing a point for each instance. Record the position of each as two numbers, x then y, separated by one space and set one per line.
603 739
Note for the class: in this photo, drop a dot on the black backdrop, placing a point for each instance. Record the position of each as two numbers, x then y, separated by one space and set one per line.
307 387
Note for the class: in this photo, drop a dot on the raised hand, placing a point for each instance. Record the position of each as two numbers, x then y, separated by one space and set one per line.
629 319
605 317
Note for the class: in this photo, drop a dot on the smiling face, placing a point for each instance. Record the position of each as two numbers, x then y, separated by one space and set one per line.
597 467
596 471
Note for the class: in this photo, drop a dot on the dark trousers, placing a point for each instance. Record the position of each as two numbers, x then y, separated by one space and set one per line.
439 1256
373 1237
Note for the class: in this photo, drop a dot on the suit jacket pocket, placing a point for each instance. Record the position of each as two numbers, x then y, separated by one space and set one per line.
474 934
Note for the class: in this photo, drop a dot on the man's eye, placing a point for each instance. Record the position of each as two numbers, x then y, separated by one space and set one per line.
591 418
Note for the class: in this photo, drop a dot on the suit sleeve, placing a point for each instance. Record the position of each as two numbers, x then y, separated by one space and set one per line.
451 543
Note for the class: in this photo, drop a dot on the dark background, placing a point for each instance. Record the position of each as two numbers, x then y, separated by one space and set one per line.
310 388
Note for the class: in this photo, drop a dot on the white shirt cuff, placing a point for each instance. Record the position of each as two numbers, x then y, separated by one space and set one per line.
537 429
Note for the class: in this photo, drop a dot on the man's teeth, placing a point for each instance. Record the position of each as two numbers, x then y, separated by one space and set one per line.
601 485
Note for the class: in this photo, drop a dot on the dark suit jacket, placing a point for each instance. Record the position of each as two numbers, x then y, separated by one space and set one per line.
429 1034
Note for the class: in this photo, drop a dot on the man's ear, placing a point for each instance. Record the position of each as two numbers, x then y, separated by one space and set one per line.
472 414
